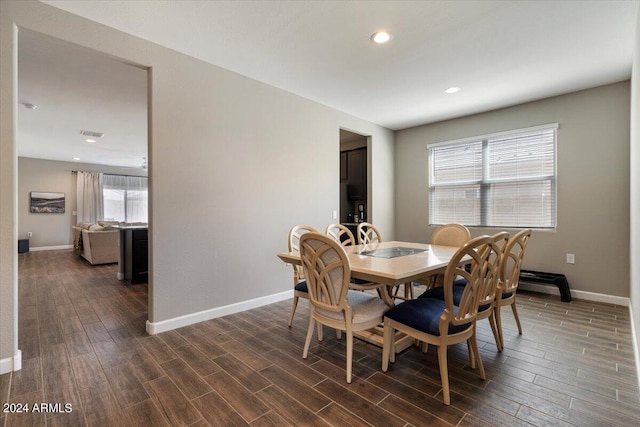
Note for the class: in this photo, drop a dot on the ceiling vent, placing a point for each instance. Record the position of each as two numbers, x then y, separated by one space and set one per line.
91 133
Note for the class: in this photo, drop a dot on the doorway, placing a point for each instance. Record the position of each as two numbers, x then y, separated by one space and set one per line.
354 181
79 110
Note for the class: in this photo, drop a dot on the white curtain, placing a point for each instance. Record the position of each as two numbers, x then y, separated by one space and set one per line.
134 190
90 205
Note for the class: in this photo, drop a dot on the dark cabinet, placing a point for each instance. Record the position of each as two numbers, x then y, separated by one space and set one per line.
357 170
136 247
344 171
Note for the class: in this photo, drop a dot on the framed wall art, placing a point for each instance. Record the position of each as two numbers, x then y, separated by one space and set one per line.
46 202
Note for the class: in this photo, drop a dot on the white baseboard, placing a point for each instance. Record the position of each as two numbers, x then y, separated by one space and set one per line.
50 248
11 363
189 319
589 296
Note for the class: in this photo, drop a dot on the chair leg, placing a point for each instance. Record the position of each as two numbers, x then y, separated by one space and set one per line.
444 373
387 344
307 341
515 314
293 310
498 317
494 329
472 357
473 348
349 337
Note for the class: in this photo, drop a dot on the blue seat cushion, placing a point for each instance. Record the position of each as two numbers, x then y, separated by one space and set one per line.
438 293
506 295
423 314
360 281
302 286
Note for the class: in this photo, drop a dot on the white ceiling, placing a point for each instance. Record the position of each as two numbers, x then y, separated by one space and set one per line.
500 53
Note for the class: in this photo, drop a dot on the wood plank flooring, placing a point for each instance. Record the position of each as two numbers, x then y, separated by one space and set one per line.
83 341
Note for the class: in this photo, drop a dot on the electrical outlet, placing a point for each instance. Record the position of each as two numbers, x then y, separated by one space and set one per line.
571 258
335 214
29 234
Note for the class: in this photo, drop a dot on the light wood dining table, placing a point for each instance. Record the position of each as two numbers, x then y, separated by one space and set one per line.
390 264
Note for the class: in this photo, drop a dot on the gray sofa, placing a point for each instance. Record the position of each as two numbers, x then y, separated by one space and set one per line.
98 244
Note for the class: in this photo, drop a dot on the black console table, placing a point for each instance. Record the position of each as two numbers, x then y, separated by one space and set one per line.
134 259
560 280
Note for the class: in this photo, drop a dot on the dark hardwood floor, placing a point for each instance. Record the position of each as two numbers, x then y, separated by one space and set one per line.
83 341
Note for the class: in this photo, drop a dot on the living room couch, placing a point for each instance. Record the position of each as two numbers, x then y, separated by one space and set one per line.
97 243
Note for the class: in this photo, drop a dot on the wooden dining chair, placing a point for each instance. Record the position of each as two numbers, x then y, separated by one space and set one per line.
341 234
509 277
488 289
368 233
299 283
445 235
440 322
331 302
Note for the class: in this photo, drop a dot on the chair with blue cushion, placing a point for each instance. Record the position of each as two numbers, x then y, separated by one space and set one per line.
440 322
509 277
331 302
299 283
487 291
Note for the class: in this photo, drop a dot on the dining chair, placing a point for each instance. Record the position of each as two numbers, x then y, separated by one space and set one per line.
299 283
341 234
445 235
368 233
509 277
331 302
487 292
441 322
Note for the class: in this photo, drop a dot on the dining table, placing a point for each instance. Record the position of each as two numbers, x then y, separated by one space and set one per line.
389 264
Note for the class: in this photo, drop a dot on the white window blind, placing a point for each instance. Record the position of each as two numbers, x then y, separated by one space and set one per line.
125 198
500 180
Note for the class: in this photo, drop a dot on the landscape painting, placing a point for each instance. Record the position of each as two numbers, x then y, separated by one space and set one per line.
42 202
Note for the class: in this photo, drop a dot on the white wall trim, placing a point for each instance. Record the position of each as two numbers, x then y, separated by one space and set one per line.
589 296
50 248
189 319
11 363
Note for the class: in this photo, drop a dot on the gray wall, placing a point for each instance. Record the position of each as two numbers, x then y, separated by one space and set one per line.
234 163
54 176
593 183
635 194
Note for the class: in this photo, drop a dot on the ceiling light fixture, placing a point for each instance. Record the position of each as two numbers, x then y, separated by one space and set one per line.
90 141
380 37
452 90
76 158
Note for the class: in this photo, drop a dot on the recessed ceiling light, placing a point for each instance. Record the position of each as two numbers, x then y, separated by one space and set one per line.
90 141
76 158
380 37
452 90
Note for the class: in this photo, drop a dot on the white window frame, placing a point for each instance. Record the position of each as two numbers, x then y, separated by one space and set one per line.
485 181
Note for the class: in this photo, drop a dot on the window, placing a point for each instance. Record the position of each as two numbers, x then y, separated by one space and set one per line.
500 180
125 198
